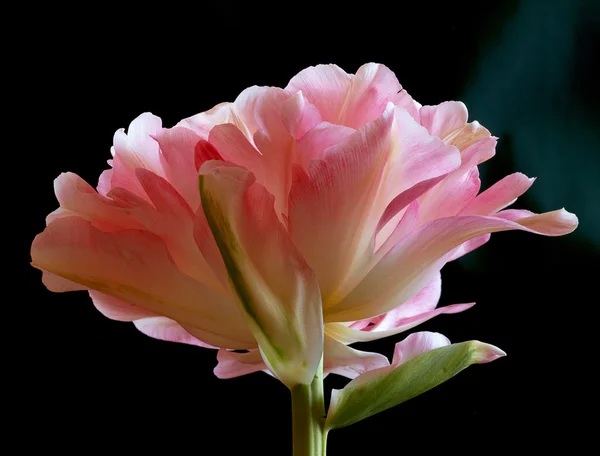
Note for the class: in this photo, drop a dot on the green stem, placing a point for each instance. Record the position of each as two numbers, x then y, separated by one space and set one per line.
308 417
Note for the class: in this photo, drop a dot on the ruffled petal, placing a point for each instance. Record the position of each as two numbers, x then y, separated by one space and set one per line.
406 268
500 195
135 267
178 150
136 149
117 309
348 362
339 192
325 86
443 119
372 88
232 364
163 328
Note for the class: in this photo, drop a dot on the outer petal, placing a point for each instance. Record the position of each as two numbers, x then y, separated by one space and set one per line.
325 86
416 344
119 310
314 144
397 325
450 196
59 285
135 267
173 220
339 192
373 87
222 113
299 116
77 197
417 257
163 328
443 119
136 149
353 185
232 364
277 292
388 236
503 193
469 246
406 102
177 146
426 362
262 109
419 156
349 362
424 301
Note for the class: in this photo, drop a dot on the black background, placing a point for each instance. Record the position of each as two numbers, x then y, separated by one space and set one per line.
525 70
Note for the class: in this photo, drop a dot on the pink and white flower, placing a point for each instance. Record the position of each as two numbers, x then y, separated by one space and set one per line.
325 213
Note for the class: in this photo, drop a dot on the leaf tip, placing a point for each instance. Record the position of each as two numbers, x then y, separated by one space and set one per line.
486 353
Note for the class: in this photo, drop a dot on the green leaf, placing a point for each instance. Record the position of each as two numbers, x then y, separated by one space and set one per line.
381 389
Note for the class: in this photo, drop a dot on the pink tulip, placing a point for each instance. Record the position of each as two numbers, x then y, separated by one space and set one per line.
326 212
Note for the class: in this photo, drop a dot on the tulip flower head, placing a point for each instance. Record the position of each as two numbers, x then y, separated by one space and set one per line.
290 224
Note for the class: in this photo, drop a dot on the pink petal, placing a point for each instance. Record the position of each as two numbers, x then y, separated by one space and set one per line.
163 328
338 192
442 119
503 193
418 256
274 173
204 152
203 123
172 219
481 150
260 109
350 335
498 196
325 86
135 267
177 146
424 301
416 344
405 198
348 362
403 100
372 87
232 364
105 180
386 240
136 149
299 116
514 214
233 146
77 197
450 196
116 309
419 156
277 292
59 285
314 144
469 246
467 136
